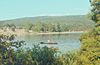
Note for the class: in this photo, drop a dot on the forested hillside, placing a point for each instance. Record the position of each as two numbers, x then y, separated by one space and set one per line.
75 22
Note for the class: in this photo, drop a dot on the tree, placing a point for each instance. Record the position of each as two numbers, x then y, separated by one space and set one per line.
7 44
13 27
90 47
58 29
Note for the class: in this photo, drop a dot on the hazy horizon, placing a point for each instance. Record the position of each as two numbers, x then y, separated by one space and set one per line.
40 16
32 8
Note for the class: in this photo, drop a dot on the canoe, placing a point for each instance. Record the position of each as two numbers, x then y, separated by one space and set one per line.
47 43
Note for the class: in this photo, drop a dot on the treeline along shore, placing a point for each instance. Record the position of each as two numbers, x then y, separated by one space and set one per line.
24 32
48 27
41 28
47 24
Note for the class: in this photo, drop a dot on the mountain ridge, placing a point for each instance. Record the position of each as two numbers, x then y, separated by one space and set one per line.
73 20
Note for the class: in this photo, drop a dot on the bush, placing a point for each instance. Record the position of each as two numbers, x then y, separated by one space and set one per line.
35 56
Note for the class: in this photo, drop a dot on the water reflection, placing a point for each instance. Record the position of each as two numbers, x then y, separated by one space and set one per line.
66 42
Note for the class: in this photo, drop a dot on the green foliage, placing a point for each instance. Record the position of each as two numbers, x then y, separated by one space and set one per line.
90 47
89 53
69 58
12 54
77 23
46 27
10 26
6 49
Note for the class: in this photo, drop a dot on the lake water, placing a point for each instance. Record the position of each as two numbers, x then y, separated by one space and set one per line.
66 42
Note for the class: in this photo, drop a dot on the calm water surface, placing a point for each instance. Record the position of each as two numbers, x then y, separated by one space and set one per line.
66 42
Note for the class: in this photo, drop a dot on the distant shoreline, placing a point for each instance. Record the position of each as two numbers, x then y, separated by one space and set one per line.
19 33
72 32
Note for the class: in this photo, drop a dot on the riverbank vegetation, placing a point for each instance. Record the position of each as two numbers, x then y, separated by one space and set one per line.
45 27
11 52
49 23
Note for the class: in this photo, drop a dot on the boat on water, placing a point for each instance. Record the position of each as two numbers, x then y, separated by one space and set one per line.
48 43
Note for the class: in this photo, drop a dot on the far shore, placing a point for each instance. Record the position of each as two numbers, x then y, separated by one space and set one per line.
20 33
71 32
